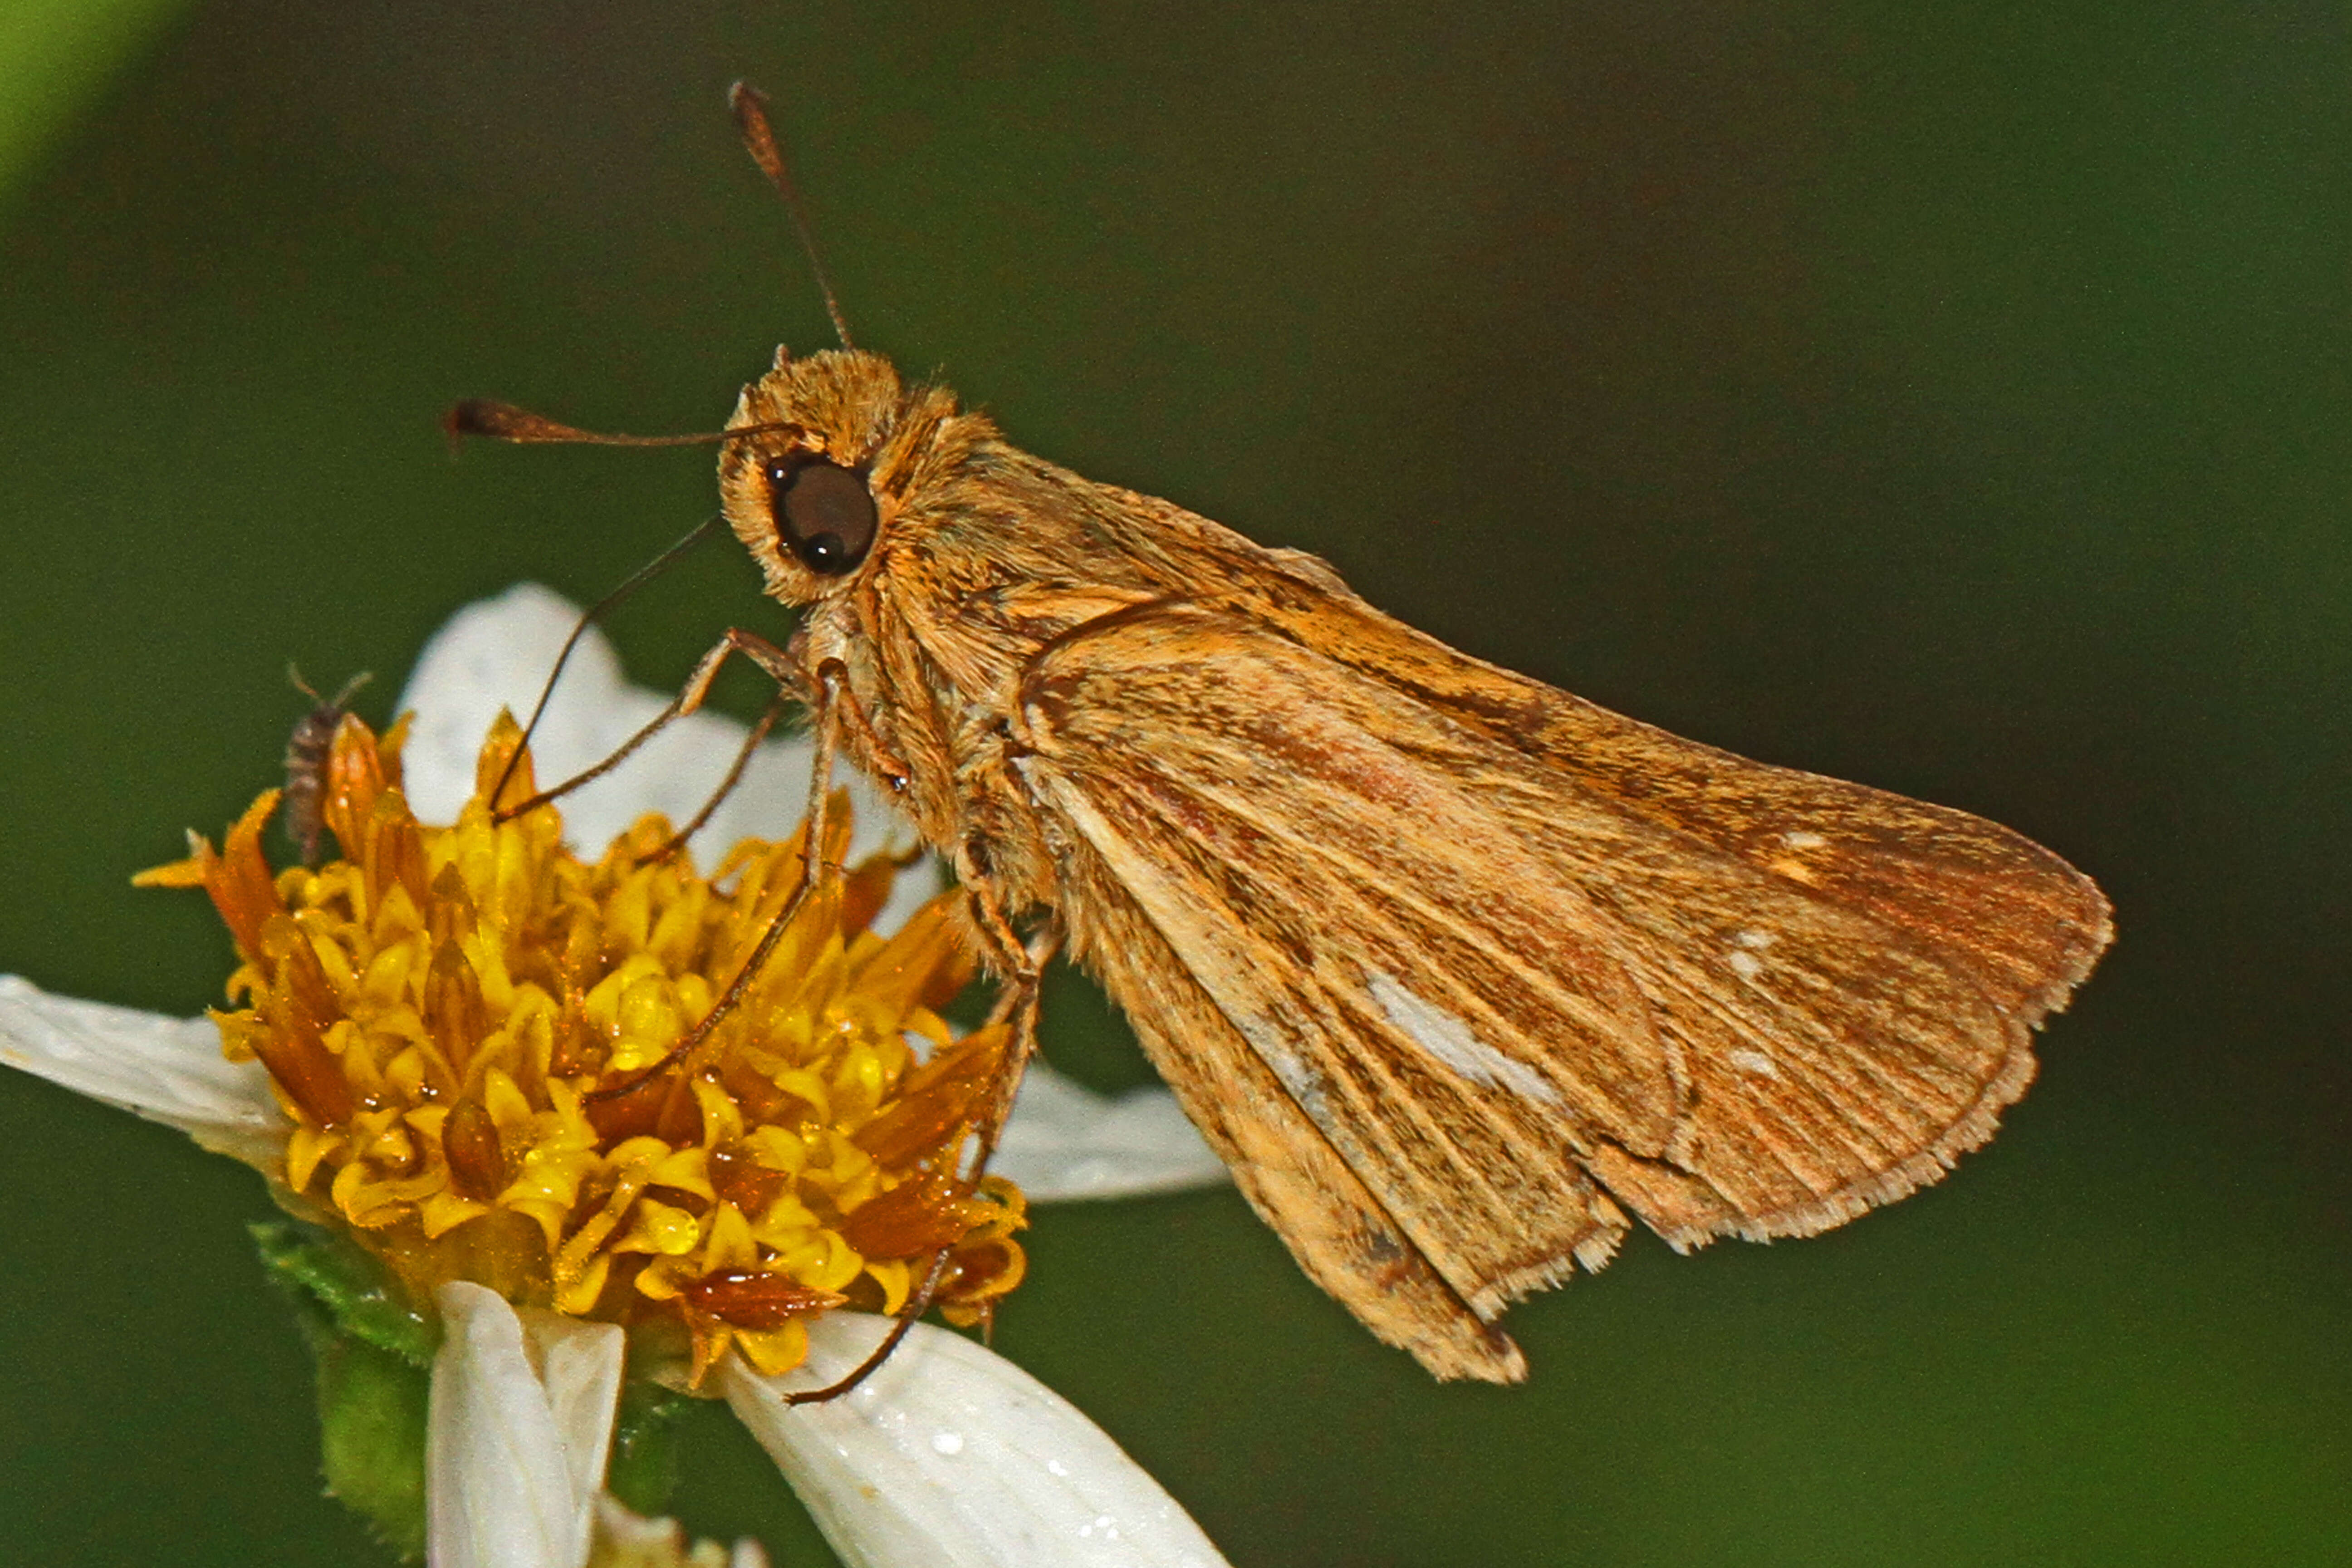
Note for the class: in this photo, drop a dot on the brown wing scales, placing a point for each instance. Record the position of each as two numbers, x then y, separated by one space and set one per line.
1343 1237
1476 1179
1497 975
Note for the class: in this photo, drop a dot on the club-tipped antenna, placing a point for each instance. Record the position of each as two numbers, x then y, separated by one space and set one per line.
505 422
750 107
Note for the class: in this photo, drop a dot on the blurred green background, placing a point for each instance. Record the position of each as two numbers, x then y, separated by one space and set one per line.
1953 398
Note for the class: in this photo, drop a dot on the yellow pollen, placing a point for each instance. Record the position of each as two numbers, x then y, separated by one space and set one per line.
461 1023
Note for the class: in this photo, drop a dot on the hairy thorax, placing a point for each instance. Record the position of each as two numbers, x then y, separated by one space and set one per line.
936 677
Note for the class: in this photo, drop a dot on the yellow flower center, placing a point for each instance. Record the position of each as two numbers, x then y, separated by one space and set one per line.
476 1037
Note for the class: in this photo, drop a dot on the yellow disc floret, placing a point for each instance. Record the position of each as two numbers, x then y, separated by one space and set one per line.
489 1050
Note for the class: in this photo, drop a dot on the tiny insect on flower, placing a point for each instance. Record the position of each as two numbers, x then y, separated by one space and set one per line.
307 750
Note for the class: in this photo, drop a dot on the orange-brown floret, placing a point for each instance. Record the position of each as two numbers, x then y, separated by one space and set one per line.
460 1021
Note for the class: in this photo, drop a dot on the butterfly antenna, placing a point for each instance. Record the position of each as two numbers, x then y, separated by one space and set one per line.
750 107
505 422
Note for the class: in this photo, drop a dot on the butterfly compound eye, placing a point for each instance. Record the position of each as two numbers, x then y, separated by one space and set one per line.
823 512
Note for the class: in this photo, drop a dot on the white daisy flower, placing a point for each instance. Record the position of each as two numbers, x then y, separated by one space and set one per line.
453 1053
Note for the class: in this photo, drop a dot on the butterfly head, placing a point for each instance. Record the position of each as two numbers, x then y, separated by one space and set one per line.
841 443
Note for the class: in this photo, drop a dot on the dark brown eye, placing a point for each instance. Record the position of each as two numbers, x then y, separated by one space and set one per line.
823 510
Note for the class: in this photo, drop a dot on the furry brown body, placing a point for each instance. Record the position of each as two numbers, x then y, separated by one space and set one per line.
1454 969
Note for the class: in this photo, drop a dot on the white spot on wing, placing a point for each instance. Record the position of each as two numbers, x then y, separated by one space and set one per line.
1745 964
1305 1084
1449 1039
948 1443
1756 1062
1802 839
1296 1073
1751 937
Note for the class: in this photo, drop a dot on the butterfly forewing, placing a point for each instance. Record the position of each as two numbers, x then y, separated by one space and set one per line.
1477 1017
1854 975
1351 979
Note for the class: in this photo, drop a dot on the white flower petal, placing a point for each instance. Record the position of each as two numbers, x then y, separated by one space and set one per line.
1065 1141
491 654
166 1069
630 1537
580 1367
951 1456
627 1539
517 1431
495 654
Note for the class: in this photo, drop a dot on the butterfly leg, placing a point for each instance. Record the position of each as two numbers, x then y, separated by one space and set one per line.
880 760
743 754
918 1301
1019 964
773 661
588 618
831 701
1022 965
